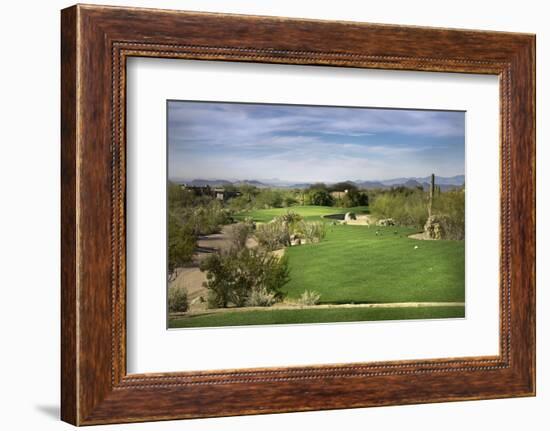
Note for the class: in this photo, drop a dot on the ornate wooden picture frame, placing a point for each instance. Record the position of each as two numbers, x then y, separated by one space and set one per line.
96 41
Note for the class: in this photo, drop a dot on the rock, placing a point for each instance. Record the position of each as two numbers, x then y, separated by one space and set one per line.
386 222
350 216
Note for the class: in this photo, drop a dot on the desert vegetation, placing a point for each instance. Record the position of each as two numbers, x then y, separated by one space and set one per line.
289 250
416 209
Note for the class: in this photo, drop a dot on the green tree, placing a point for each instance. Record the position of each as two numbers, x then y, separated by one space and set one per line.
319 197
249 192
343 186
354 198
179 197
181 244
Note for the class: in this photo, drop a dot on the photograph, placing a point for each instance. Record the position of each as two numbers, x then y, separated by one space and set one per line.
290 214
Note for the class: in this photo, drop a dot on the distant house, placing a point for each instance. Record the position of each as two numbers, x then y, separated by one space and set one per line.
222 194
339 195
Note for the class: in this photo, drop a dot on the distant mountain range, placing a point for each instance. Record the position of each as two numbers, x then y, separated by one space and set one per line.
445 183
457 180
220 183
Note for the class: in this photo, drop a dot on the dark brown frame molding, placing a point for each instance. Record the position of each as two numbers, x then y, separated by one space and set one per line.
95 43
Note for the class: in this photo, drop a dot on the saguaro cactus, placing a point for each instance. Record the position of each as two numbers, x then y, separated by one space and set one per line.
432 190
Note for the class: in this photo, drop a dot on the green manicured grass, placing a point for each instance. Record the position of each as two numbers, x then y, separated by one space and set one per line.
359 264
275 317
308 212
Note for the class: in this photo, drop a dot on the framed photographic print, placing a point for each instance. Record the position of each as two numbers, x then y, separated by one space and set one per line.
267 215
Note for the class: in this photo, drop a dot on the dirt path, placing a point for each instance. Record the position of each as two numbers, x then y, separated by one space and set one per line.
191 278
288 306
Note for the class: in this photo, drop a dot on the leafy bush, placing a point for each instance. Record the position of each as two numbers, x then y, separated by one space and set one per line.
177 300
240 203
239 232
273 235
232 277
261 298
309 297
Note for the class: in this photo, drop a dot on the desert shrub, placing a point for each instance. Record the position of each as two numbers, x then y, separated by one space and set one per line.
311 231
408 208
214 300
255 198
450 207
239 232
309 297
177 300
206 218
290 218
240 203
232 277
261 298
273 235
248 191
269 198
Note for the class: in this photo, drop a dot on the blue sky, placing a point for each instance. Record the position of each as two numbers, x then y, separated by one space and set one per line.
212 140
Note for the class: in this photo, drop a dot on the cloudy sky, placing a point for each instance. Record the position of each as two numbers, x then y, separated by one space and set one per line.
211 140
